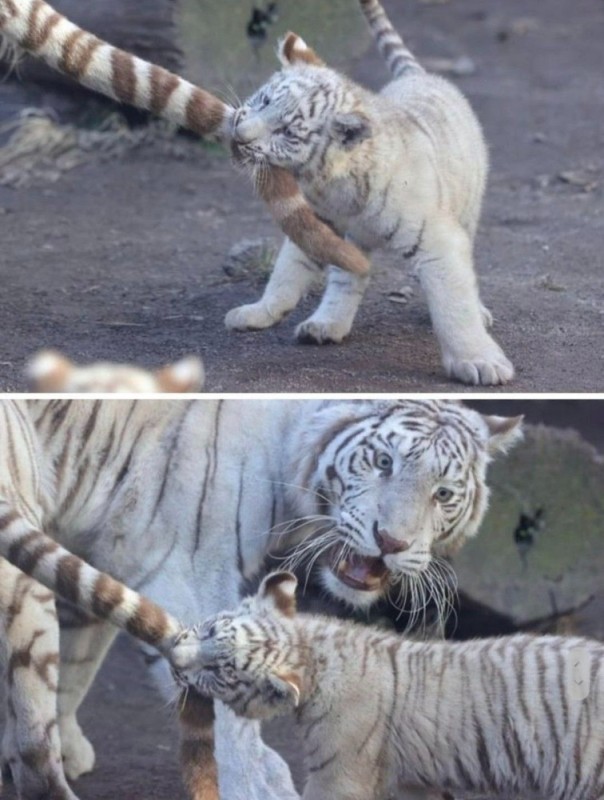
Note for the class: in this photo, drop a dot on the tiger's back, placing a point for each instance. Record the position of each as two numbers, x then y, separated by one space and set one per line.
381 716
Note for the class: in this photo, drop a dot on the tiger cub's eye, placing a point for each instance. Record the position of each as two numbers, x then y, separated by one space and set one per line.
383 462
443 495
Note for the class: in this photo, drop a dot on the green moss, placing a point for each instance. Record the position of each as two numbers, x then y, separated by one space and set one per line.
219 54
556 472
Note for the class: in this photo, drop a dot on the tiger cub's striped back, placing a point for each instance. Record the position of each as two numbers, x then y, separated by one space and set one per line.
520 716
38 28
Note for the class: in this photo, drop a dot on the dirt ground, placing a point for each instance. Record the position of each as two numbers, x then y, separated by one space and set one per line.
123 259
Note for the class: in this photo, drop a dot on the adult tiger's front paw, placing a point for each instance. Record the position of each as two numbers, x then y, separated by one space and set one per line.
486 365
78 753
252 317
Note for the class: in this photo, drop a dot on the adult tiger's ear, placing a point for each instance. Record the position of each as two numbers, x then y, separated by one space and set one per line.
186 375
278 593
351 129
503 432
292 49
48 371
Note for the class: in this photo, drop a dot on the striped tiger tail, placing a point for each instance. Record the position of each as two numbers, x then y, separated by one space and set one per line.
393 50
42 558
35 26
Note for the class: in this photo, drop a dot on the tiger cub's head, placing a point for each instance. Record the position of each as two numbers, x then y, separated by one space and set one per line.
392 488
49 371
299 113
249 658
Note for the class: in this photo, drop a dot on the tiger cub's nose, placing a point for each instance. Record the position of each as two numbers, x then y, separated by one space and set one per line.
247 130
388 544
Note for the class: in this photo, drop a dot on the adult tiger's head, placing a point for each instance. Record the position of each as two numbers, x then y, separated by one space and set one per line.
396 486
299 113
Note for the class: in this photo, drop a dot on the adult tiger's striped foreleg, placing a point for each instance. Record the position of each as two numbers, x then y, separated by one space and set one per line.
38 28
38 556
29 650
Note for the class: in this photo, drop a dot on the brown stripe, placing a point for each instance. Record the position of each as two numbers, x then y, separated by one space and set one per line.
69 46
8 519
27 560
30 40
12 8
303 227
149 623
197 746
197 711
106 596
124 76
163 84
68 578
77 61
204 113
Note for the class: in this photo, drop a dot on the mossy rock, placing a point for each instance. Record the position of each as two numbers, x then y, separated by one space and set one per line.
219 53
540 551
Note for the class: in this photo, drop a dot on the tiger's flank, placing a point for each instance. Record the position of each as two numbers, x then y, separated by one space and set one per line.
382 716
403 170
36 27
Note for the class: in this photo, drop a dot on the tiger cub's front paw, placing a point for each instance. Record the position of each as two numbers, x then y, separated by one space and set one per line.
316 332
253 317
486 365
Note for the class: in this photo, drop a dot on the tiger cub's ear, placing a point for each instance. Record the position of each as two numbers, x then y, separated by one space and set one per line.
292 49
186 375
278 593
48 371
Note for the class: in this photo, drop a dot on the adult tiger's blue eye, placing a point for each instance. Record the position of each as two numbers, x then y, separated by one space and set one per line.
443 495
383 461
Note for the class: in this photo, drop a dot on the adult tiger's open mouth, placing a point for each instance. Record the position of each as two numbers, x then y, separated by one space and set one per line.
363 573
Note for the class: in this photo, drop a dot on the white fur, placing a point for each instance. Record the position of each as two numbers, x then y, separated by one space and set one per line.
420 147
211 488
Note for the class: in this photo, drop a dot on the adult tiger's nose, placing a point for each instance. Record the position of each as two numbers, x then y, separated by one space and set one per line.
388 544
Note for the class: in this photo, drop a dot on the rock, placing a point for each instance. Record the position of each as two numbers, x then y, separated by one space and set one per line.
251 260
540 552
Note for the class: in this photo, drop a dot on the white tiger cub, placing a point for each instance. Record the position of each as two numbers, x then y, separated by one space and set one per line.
50 371
383 717
403 170
184 499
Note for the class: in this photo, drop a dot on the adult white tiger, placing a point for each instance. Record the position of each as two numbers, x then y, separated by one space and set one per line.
178 498
404 170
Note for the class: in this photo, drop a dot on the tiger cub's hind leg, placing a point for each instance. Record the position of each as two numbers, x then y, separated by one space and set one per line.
446 272
31 746
293 275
